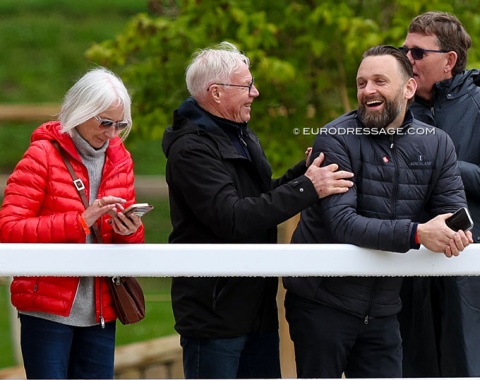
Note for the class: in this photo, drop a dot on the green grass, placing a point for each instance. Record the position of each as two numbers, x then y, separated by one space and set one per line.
15 138
158 314
74 8
157 222
6 349
44 41
147 156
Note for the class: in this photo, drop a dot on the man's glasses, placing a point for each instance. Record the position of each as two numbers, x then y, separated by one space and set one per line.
418 53
249 86
106 123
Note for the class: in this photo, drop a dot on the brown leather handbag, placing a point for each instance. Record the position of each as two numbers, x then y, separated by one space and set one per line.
128 299
127 294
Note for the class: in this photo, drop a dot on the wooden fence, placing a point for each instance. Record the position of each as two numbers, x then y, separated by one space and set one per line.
28 112
153 359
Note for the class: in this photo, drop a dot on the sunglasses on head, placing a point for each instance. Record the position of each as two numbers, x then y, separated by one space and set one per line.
419 53
106 123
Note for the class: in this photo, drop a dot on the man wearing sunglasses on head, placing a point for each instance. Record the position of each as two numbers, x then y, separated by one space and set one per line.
440 319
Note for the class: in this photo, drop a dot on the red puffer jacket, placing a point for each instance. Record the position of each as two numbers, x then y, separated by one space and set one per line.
41 205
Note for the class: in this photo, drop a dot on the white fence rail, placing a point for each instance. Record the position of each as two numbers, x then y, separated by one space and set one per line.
171 260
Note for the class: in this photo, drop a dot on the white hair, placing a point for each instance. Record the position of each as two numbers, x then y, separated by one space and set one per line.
213 65
92 94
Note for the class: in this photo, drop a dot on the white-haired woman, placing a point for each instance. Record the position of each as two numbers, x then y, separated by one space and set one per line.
68 323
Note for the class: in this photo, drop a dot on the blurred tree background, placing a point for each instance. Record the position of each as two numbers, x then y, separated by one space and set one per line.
304 56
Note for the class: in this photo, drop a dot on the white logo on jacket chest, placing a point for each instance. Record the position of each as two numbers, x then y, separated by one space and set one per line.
421 160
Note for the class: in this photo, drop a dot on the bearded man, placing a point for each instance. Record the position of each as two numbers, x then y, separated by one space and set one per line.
406 183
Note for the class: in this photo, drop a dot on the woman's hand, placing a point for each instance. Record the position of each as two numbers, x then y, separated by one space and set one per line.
126 225
101 206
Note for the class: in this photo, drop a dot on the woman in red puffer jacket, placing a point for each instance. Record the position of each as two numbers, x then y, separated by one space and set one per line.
68 323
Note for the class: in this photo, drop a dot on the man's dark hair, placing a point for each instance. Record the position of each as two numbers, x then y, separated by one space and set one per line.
450 33
404 62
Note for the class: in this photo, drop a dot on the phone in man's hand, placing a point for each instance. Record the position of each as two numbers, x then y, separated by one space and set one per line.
460 220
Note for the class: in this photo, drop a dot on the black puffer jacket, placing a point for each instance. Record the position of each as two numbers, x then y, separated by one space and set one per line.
218 195
401 179
456 110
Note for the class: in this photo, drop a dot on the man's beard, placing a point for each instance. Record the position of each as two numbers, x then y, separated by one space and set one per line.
380 119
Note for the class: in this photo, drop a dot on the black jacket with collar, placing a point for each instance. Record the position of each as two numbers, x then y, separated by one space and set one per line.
218 195
400 179
456 110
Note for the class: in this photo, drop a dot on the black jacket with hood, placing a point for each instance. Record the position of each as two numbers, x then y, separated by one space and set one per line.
456 110
400 180
221 194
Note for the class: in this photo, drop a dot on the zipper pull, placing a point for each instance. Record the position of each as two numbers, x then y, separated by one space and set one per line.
391 142
102 322
366 320
240 136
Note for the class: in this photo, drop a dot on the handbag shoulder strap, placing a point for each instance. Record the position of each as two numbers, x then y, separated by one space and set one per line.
78 183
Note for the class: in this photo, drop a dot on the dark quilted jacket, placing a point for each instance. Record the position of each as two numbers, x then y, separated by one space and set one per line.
456 110
400 179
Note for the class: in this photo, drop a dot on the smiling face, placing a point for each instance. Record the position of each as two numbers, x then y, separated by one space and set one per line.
382 92
94 133
231 102
433 67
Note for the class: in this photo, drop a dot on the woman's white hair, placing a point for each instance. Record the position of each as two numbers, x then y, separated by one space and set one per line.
93 94
213 65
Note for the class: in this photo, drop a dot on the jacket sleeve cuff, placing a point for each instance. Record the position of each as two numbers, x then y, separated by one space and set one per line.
305 185
413 237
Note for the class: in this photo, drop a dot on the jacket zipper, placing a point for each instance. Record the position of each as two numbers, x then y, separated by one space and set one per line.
395 177
102 320
392 146
240 136
392 143
218 289
372 299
